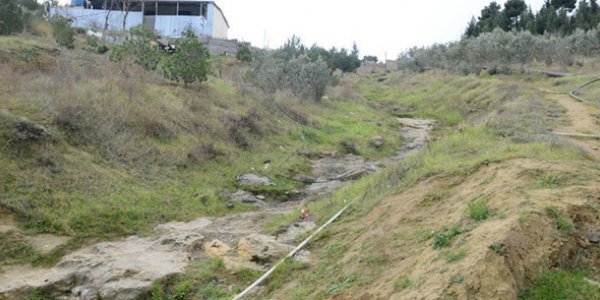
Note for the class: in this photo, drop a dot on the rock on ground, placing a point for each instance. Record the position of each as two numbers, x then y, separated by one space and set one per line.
377 141
248 198
262 248
124 269
294 231
251 179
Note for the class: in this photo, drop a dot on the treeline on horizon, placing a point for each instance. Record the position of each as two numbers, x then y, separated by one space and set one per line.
554 17
504 40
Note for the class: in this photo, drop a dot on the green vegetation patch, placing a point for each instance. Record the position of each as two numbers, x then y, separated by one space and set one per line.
204 279
559 285
444 238
561 222
402 283
478 209
451 256
456 154
14 248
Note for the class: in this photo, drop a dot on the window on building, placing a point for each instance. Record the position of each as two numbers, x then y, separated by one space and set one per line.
189 8
135 6
204 10
149 8
167 9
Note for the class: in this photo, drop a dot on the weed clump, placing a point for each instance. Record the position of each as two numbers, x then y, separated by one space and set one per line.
402 283
551 180
454 256
498 248
478 209
561 223
444 238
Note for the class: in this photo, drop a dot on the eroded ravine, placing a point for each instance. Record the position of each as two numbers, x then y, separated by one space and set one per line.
127 268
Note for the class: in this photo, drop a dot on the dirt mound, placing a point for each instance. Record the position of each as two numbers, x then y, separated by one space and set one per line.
457 257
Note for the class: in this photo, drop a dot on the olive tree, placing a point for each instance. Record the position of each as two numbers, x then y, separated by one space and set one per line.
189 63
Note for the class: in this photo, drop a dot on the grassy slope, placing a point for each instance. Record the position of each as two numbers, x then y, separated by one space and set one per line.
484 120
591 92
501 118
129 150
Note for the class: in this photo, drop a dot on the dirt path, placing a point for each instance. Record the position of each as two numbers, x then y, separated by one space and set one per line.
127 268
582 121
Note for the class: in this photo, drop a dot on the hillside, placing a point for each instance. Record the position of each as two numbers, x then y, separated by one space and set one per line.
95 150
116 182
500 208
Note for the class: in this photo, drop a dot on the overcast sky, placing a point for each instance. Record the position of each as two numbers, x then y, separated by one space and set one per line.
377 26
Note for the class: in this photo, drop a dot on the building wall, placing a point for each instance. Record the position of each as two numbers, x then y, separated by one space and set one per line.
220 46
219 25
172 26
95 18
175 26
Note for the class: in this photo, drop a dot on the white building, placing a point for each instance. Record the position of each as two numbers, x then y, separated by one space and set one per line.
168 18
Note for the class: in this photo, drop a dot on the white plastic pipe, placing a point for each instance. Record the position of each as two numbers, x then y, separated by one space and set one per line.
291 254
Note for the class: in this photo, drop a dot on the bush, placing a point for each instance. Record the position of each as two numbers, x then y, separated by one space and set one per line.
139 47
500 52
12 17
306 79
244 53
95 47
189 63
63 33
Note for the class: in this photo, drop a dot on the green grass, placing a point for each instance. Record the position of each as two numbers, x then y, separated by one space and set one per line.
478 209
337 288
559 285
455 154
204 279
499 249
552 180
444 238
591 92
452 256
15 249
135 153
402 283
561 223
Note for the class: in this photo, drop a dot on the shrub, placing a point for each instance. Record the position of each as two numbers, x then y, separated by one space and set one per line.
306 79
63 33
500 52
95 47
139 48
189 63
18 15
244 53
